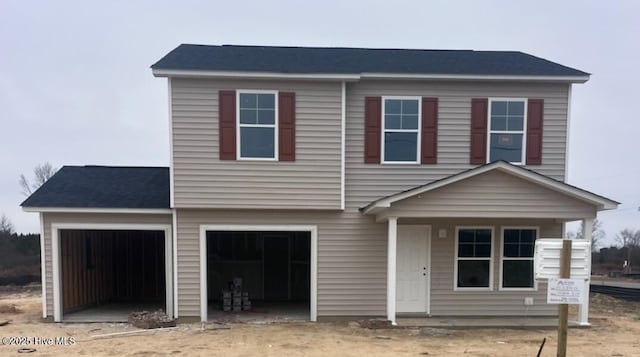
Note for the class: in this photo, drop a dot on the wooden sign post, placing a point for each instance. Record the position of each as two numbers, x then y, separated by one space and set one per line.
563 309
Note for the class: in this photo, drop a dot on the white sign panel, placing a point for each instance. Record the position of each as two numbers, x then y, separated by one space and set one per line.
565 291
546 259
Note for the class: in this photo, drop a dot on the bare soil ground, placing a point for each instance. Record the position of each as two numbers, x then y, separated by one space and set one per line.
615 331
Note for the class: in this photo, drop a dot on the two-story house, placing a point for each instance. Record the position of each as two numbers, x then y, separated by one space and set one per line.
334 182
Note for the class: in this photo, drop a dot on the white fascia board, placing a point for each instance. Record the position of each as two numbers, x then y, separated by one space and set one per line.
99 210
358 76
477 77
253 75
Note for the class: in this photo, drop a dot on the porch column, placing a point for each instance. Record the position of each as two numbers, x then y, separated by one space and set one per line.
392 239
583 310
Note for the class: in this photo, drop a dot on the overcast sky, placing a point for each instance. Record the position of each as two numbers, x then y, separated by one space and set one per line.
76 88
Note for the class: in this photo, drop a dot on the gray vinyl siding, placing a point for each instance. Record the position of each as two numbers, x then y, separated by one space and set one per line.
368 182
492 194
352 248
447 302
201 180
352 262
351 257
313 180
86 218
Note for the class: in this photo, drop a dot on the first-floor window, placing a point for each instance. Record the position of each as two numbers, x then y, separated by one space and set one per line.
473 260
517 257
507 130
401 130
257 125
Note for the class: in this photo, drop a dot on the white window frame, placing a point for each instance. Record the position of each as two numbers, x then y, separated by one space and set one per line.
274 125
418 130
456 259
523 131
503 258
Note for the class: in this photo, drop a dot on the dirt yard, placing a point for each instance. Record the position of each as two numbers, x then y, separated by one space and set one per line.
615 331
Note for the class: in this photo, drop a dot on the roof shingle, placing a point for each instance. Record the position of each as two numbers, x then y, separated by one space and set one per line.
104 187
336 60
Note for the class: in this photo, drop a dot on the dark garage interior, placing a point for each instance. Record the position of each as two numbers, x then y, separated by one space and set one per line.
274 268
106 274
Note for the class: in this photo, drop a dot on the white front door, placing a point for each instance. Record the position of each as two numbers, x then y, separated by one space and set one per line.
412 268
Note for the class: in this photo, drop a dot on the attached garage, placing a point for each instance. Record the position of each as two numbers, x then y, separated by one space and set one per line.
105 274
106 242
275 266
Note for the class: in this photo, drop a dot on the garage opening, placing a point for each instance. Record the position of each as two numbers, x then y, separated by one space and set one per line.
106 274
258 275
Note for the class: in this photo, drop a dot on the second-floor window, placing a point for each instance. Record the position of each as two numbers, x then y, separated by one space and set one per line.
401 134
257 124
507 123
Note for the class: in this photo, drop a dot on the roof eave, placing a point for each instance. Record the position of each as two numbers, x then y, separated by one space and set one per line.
97 210
609 206
187 73
374 207
478 77
252 75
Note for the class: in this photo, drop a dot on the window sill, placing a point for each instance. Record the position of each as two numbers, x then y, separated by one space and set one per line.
512 163
472 289
256 159
517 289
400 163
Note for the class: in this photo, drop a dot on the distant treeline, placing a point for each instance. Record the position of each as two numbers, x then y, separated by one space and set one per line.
19 258
612 260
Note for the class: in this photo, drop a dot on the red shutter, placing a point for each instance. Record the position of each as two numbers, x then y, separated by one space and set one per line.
478 147
227 124
429 140
372 123
287 126
535 110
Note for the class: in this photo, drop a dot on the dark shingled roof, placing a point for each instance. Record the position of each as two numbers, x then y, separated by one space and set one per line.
104 187
333 60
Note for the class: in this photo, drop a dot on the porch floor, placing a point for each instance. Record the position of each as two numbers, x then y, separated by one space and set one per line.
112 312
482 322
263 312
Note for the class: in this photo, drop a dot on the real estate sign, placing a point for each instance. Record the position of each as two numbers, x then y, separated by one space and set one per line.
565 291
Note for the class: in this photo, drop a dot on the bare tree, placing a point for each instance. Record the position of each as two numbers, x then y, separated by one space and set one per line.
597 234
41 174
628 238
6 226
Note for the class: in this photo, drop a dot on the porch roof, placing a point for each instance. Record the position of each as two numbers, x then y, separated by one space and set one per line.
535 183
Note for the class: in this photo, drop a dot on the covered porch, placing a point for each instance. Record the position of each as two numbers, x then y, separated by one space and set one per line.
463 246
